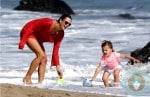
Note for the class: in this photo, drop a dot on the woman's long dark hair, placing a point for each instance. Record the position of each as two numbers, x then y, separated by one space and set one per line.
64 16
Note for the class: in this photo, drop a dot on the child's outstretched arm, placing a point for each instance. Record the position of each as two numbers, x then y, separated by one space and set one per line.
97 71
129 57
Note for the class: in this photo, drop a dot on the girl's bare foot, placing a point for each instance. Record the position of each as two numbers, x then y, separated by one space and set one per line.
40 82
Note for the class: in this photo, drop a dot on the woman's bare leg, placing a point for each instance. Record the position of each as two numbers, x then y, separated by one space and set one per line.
42 67
40 55
105 78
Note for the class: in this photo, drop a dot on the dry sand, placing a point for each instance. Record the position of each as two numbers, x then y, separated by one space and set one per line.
9 90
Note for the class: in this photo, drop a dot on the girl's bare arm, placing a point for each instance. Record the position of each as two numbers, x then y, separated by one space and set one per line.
129 57
97 71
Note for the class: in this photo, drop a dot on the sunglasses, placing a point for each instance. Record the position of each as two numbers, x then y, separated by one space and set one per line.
67 23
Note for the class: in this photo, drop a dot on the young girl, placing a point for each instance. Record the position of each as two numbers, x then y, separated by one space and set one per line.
111 59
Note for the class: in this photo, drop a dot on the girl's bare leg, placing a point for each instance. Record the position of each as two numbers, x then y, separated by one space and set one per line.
105 78
40 55
116 76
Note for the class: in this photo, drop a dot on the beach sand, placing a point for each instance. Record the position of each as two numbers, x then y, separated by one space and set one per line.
10 90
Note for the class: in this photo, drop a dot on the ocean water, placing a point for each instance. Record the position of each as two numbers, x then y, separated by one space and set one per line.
80 52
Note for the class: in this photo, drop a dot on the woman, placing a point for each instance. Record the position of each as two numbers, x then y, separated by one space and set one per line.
34 33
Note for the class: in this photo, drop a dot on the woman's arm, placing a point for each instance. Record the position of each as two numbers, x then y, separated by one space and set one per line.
55 54
129 57
97 71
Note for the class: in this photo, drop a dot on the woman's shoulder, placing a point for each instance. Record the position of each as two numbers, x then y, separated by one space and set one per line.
46 19
43 19
40 20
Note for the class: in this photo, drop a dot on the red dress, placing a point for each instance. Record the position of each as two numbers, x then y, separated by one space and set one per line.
39 29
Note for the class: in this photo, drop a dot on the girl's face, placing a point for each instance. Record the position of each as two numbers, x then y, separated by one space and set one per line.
107 50
65 23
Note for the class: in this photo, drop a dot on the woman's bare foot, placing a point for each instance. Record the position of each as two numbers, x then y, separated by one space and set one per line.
25 81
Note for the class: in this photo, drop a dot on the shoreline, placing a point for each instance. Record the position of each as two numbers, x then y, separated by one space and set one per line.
11 90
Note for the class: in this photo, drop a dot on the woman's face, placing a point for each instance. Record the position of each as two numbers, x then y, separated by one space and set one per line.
65 23
106 50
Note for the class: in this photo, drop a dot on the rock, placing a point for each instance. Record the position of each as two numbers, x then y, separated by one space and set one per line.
52 6
126 16
129 16
143 54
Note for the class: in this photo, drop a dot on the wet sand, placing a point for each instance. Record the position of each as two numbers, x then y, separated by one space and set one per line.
10 90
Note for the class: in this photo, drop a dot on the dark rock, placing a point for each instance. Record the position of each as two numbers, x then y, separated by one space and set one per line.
126 16
52 6
143 54
129 16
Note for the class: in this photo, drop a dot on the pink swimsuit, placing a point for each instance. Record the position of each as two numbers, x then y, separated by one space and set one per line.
39 29
111 61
